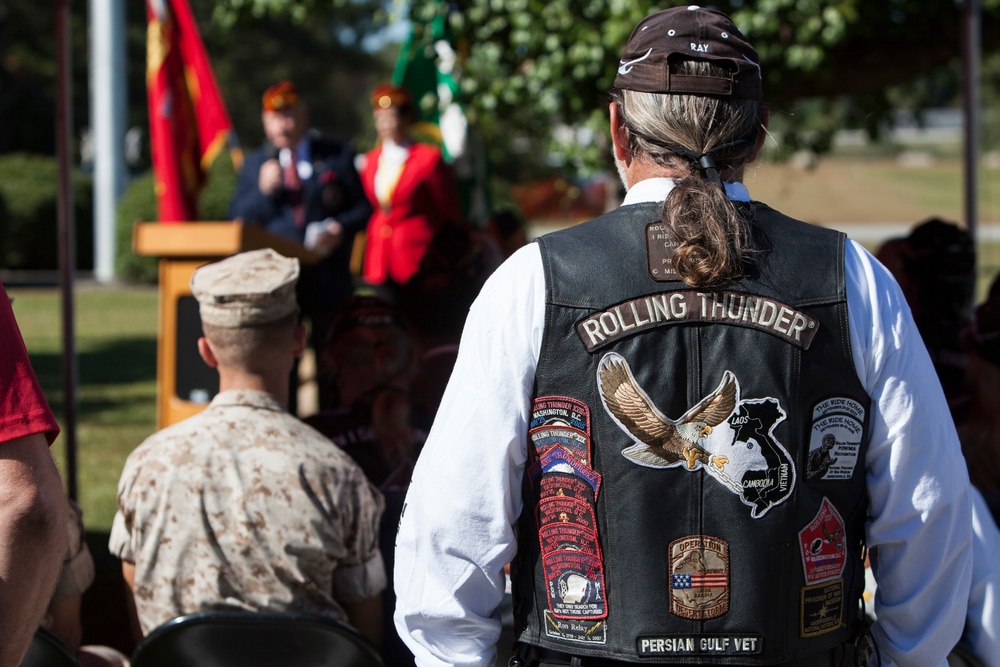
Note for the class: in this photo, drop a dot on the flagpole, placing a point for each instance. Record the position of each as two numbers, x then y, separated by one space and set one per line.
67 237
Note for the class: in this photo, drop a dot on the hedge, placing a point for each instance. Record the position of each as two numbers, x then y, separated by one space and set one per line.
29 191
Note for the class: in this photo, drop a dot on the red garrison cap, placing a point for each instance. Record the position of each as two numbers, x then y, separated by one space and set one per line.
390 95
281 96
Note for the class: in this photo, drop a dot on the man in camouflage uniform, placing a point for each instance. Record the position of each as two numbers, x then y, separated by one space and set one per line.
244 507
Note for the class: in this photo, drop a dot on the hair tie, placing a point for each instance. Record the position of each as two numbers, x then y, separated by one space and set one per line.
707 165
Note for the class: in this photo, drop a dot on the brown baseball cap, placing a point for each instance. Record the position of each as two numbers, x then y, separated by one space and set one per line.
689 33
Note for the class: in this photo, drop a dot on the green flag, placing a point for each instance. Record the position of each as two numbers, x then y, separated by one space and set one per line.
427 67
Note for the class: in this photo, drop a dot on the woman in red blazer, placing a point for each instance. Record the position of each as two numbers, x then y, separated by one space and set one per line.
411 189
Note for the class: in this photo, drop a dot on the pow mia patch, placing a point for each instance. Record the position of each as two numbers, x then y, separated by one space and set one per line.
835 442
699 577
822 608
575 585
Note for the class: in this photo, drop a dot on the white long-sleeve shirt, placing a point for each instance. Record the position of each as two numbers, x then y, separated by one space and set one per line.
456 533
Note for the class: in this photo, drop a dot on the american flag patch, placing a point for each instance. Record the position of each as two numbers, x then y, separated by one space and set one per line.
698 580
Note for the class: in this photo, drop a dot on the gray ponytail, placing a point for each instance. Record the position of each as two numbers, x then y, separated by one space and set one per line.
697 136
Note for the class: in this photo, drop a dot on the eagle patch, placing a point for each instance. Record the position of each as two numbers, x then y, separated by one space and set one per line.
726 436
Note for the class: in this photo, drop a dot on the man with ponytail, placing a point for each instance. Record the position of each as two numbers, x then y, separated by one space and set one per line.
686 423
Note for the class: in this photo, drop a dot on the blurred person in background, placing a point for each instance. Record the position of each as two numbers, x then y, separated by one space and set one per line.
369 358
411 189
304 187
935 266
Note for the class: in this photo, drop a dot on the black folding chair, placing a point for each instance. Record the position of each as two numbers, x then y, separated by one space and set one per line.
47 650
244 639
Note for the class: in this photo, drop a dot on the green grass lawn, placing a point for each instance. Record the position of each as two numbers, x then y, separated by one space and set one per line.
116 351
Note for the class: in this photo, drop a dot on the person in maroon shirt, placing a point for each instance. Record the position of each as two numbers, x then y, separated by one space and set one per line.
32 501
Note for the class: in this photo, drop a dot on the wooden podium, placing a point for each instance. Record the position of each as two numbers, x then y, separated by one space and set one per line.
184 384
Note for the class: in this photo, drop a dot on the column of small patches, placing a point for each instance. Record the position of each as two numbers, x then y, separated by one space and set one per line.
567 486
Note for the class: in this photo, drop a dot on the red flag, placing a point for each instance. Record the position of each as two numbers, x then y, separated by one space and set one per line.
188 121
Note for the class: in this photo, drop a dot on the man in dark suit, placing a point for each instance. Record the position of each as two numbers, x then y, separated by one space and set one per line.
305 187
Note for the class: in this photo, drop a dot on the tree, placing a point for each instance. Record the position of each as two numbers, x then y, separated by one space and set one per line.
534 65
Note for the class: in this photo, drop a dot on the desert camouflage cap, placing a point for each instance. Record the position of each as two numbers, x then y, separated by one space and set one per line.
245 290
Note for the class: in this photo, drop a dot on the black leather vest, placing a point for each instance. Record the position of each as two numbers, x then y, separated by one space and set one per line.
696 482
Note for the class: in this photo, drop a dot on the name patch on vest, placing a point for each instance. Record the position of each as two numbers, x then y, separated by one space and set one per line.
727 436
699 577
822 608
685 307
699 645
835 442
584 632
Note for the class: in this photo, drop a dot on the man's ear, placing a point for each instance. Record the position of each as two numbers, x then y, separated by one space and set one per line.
619 135
207 353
